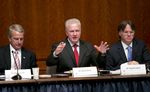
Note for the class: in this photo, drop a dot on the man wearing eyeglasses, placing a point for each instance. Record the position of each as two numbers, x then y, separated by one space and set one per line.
128 50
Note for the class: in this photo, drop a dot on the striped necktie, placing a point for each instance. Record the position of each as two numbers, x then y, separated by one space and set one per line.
16 59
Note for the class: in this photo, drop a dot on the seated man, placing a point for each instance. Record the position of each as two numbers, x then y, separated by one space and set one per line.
14 56
73 52
128 49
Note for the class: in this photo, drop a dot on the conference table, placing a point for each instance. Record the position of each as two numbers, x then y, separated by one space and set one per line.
102 83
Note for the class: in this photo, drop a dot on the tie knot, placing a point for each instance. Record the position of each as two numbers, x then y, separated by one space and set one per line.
129 47
15 52
75 45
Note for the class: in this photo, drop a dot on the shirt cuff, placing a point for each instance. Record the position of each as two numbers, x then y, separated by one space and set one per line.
103 54
54 54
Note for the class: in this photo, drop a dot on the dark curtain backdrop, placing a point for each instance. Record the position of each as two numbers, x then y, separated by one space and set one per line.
43 20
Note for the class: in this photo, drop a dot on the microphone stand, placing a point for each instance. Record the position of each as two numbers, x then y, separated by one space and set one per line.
17 76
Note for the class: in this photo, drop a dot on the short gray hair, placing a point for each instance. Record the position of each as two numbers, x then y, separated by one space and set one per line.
72 21
15 27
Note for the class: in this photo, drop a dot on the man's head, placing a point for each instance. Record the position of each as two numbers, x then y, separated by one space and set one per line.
73 30
16 36
126 31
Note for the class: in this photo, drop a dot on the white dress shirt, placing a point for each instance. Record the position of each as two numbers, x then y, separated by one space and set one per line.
125 46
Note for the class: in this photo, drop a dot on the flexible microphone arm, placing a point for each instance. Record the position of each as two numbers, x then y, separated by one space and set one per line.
17 76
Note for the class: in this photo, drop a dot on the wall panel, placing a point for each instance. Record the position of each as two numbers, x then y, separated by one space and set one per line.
43 20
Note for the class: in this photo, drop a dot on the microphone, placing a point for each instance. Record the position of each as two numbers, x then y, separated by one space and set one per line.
17 76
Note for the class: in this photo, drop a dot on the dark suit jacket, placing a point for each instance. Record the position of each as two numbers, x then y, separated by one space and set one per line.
28 59
66 59
116 55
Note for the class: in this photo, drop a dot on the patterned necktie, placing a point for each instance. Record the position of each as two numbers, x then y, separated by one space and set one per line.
17 61
129 48
76 54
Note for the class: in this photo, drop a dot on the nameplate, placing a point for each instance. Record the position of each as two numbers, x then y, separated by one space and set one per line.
133 69
24 73
84 72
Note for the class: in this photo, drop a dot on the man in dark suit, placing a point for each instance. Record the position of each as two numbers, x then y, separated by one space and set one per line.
128 50
62 53
25 58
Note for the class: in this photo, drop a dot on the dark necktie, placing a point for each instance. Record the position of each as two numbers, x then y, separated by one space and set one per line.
129 48
76 54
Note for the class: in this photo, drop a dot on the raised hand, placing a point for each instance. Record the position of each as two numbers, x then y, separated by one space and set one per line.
102 48
60 48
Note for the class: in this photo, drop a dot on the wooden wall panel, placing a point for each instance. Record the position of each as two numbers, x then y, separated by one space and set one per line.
44 20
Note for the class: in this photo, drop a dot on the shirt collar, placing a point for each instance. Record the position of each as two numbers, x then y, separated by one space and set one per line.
125 45
72 43
12 49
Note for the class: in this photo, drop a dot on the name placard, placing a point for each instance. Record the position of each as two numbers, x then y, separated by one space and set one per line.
85 72
133 69
24 73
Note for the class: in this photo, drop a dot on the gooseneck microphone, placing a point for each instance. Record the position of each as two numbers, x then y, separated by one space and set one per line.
17 76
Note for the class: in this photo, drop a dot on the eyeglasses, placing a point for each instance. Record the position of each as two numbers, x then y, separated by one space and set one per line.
129 33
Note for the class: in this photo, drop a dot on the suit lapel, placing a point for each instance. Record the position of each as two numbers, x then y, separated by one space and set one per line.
121 53
135 49
7 57
82 52
23 59
70 53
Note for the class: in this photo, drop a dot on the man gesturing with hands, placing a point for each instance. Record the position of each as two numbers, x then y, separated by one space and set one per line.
74 52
